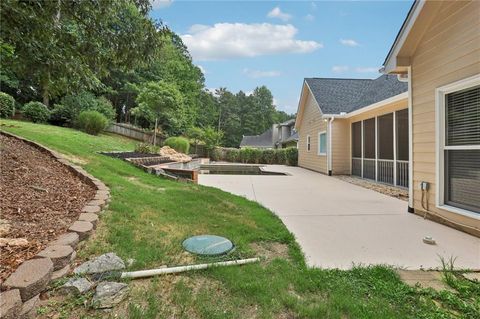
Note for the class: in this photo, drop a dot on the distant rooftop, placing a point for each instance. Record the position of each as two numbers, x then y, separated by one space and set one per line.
263 140
347 95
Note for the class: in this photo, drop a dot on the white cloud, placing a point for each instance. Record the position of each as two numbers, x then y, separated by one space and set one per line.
238 40
340 68
367 70
349 42
277 13
158 4
261 74
309 17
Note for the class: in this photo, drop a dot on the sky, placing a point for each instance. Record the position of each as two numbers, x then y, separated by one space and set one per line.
244 44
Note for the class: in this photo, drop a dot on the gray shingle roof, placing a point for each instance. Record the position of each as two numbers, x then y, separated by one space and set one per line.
347 95
263 140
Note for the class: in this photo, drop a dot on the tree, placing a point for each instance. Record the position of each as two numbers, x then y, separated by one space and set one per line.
66 46
196 134
212 138
166 103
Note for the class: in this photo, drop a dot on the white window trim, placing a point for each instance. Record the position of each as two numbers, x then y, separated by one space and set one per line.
440 142
318 148
309 143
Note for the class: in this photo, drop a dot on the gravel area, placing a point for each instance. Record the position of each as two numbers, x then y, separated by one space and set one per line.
396 192
39 199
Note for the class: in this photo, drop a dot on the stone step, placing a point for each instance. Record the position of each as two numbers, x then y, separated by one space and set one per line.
60 255
31 277
92 209
68 239
89 217
83 229
10 304
29 308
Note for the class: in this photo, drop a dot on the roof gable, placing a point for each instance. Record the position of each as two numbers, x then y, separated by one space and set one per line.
335 96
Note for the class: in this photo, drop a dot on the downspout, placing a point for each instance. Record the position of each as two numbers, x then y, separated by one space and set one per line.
329 153
410 141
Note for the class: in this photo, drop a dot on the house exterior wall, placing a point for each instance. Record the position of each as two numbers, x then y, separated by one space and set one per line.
311 124
448 52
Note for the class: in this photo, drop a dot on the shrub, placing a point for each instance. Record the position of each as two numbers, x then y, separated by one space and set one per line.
256 156
268 156
180 144
36 112
281 156
92 122
7 105
216 154
146 148
232 155
292 156
71 106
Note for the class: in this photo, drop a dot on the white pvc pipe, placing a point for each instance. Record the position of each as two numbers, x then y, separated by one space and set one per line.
173 270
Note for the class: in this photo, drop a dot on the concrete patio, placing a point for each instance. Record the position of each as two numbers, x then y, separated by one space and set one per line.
339 224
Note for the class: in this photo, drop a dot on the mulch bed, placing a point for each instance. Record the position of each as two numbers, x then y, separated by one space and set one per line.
400 193
39 200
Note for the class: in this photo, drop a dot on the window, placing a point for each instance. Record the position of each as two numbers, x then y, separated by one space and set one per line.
459 146
308 143
322 143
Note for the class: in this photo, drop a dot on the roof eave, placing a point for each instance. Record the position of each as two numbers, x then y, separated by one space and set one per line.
393 62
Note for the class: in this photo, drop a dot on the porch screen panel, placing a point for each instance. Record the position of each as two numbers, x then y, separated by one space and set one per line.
462 153
402 134
401 117
357 148
385 148
369 148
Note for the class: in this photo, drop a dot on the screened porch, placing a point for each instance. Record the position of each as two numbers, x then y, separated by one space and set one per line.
380 148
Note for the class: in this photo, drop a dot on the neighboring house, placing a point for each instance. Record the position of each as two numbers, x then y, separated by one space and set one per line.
279 136
355 126
438 51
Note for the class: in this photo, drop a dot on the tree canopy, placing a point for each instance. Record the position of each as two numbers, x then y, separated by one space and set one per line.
59 52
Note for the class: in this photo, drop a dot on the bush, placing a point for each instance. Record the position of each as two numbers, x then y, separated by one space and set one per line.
268 156
281 156
292 156
256 155
7 105
146 148
180 144
71 106
36 112
92 122
232 155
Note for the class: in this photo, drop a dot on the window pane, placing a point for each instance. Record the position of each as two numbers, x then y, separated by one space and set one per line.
357 139
462 179
385 136
322 143
369 138
402 135
462 117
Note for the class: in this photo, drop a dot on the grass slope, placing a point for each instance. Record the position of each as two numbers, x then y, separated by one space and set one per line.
149 217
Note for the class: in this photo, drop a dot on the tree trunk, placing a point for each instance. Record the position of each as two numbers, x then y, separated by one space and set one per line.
46 97
155 133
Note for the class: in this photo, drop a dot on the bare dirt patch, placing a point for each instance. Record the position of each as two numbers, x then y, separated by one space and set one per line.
39 199
392 191
270 250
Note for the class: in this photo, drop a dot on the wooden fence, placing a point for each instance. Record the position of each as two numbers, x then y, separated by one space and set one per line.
133 132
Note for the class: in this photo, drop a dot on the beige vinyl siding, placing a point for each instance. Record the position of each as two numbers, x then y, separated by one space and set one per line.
449 51
341 147
311 124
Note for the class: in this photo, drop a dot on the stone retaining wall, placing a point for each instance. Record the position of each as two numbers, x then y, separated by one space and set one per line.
21 290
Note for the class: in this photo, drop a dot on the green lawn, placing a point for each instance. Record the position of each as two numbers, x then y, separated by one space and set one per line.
149 217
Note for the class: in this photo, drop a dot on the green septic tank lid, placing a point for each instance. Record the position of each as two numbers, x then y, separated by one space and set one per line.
207 245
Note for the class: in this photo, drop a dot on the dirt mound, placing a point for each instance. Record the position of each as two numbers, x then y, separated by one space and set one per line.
39 199
175 156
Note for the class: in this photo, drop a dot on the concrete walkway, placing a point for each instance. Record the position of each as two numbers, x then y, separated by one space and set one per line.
339 224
